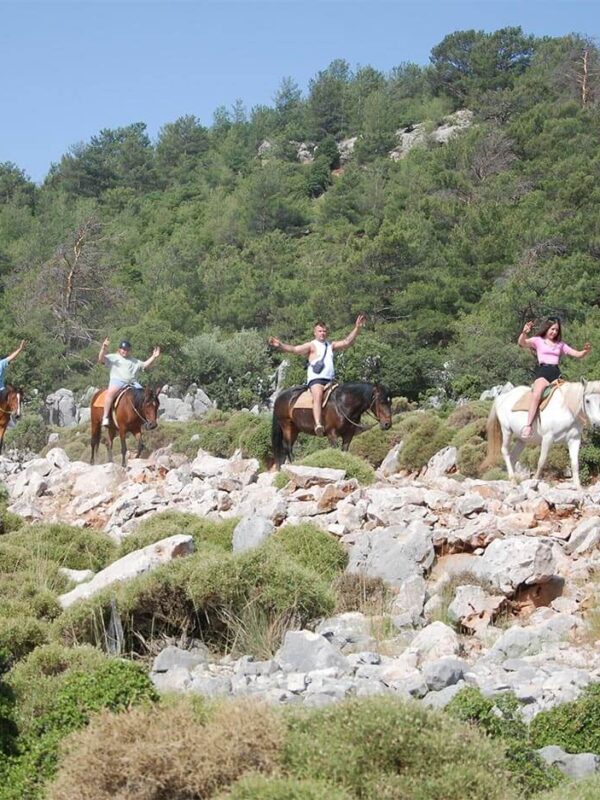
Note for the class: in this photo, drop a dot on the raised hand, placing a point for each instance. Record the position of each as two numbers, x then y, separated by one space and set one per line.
106 343
273 342
360 320
156 352
527 327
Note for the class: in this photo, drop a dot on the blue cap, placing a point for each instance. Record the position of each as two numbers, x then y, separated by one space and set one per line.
125 345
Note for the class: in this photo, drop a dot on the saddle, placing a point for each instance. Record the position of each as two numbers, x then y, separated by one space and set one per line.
305 399
99 401
524 401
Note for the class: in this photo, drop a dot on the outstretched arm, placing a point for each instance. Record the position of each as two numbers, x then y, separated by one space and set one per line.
523 341
103 349
149 361
19 350
343 344
296 349
579 353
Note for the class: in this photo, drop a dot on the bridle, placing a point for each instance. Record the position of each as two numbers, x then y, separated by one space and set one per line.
144 420
368 410
10 411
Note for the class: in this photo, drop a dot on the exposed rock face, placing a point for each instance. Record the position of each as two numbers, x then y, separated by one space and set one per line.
415 135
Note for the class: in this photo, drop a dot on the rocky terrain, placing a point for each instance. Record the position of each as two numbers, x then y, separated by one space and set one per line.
491 584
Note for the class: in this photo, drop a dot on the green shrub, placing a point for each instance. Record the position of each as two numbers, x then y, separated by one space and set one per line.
255 441
374 445
215 441
206 533
586 789
9 522
67 545
336 459
114 685
470 458
281 480
20 634
499 718
386 748
36 679
557 463
29 434
430 435
472 433
468 413
199 596
310 546
257 787
574 726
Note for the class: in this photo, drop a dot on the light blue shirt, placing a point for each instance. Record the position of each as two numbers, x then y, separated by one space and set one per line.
4 362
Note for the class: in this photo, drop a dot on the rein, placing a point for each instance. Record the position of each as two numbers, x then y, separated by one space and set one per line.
144 420
368 410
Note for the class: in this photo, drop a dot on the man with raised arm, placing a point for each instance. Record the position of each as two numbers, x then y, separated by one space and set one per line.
4 362
321 369
123 371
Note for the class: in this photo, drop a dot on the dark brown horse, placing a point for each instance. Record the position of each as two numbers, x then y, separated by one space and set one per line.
137 409
341 416
11 400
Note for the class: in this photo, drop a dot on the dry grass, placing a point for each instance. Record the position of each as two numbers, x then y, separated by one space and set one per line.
167 753
358 592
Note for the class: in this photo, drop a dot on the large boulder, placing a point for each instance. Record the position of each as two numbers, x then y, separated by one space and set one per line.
304 651
61 409
130 566
251 532
394 554
517 561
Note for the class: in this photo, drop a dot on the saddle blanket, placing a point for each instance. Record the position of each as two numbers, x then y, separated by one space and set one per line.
305 400
524 401
99 401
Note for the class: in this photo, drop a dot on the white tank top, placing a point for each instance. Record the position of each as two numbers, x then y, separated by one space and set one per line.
328 372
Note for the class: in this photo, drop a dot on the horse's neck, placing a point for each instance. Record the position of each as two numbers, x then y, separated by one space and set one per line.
360 402
572 397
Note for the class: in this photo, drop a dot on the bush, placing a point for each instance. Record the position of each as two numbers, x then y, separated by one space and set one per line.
336 459
557 464
586 789
20 634
197 597
256 787
66 545
167 752
374 445
313 548
472 433
386 748
470 458
358 592
29 434
206 533
573 726
256 442
114 685
468 413
9 522
430 435
499 718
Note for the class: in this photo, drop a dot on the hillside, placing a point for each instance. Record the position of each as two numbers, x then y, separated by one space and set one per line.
208 239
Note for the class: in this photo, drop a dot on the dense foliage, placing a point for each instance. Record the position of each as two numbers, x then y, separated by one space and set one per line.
207 239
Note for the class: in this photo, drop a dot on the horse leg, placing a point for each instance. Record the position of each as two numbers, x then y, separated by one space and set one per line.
574 445
289 441
140 444
1 442
95 441
516 451
544 450
109 445
122 437
505 449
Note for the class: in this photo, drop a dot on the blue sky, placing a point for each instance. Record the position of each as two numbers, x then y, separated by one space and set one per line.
69 69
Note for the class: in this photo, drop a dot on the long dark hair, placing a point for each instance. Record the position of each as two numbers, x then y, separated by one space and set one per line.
547 324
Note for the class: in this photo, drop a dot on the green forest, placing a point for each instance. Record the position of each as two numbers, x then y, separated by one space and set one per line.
209 239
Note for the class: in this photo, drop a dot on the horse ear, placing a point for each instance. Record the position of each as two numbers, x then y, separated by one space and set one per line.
584 382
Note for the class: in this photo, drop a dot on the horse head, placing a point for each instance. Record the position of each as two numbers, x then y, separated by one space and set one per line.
591 401
382 406
11 400
149 407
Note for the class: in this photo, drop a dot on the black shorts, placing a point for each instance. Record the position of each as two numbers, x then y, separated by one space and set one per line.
320 381
550 372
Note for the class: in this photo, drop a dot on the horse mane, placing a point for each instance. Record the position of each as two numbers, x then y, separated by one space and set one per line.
573 395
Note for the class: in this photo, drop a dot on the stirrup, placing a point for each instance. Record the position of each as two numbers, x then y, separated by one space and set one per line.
319 430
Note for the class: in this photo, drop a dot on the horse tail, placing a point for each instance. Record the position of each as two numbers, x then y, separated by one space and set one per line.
494 439
277 441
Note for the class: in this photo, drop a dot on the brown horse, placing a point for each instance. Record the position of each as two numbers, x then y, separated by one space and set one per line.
11 400
137 409
341 416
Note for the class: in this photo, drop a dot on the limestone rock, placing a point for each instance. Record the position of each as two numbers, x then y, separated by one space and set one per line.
304 651
251 532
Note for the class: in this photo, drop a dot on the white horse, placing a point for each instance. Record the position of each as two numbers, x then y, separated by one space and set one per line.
571 406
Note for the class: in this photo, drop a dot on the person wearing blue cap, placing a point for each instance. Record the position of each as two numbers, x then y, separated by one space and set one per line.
123 371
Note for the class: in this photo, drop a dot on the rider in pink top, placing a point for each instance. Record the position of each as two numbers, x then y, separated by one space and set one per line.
549 348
